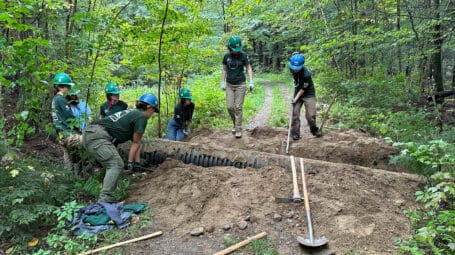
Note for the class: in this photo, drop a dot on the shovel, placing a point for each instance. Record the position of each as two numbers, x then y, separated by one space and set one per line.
296 197
310 242
289 130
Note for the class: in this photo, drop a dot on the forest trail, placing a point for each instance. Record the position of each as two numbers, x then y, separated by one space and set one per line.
357 199
261 117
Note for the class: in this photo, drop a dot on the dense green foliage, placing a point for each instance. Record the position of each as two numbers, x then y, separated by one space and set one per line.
382 58
433 223
31 190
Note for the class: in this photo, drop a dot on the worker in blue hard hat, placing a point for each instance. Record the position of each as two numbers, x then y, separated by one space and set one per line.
101 138
304 94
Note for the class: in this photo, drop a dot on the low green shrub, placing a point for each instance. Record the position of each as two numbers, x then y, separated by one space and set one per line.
30 191
433 224
60 240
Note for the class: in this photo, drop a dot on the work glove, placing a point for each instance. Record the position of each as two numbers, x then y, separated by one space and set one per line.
223 86
186 131
251 85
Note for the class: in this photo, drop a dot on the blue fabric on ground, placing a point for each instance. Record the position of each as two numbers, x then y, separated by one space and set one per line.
103 216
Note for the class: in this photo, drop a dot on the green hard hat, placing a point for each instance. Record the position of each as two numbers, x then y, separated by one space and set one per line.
185 93
112 88
62 79
235 44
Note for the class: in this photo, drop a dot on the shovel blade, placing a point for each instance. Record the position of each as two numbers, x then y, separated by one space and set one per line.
317 242
288 200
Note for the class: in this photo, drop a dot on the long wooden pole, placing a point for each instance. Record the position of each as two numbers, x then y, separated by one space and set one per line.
241 244
122 243
326 115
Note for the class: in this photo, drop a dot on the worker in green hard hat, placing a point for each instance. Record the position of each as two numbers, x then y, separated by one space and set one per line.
61 111
178 126
64 122
113 103
233 81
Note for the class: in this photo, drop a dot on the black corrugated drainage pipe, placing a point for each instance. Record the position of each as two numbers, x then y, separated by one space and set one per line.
155 151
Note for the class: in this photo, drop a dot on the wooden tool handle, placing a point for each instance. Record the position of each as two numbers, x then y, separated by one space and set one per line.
241 244
122 243
296 193
305 193
326 115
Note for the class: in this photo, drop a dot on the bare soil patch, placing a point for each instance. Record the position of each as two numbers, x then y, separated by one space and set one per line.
339 146
360 209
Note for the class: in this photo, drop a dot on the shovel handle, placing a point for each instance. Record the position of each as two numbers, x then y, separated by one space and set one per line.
305 193
289 129
296 193
307 202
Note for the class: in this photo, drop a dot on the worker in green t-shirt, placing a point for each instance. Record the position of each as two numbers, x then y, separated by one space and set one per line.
61 111
233 81
113 103
101 138
65 123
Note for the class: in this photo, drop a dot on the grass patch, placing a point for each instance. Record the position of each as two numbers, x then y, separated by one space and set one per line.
260 246
280 110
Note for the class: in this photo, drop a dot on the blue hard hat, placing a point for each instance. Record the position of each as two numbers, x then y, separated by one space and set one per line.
297 61
151 100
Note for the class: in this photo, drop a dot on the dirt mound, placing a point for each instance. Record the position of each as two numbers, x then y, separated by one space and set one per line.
340 146
359 209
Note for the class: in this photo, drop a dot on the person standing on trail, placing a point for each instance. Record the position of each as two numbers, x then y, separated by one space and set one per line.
61 111
113 103
101 138
178 127
81 110
233 81
304 94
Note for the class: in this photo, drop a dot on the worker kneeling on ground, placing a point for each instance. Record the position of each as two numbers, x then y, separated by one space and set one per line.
101 138
179 126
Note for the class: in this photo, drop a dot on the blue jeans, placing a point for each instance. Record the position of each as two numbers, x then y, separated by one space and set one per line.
174 131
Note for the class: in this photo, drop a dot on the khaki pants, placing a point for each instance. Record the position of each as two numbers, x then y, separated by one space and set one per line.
310 114
72 150
235 94
98 142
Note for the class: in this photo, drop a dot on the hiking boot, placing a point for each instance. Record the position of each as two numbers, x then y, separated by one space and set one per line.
296 137
316 131
238 134
233 131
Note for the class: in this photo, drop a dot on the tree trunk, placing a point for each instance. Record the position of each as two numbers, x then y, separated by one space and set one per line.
223 12
399 29
353 57
437 56
453 77
68 31
261 53
159 62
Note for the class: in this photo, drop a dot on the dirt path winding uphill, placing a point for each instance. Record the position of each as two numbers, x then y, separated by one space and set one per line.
261 117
